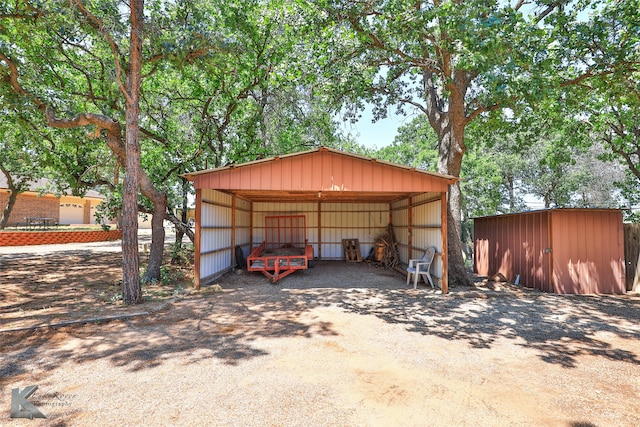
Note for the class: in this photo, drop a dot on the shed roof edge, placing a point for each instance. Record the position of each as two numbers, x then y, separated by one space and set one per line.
547 210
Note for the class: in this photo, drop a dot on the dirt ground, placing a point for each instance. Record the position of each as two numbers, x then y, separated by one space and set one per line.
52 289
337 345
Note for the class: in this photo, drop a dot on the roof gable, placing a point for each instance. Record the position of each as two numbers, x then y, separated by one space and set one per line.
321 170
42 185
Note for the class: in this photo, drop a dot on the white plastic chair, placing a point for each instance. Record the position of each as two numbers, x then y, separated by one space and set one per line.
421 267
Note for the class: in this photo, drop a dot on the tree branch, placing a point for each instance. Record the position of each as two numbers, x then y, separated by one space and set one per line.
475 113
520 4
153 136
547 11
12 79
99 26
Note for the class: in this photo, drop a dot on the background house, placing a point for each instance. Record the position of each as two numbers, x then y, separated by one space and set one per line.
35 203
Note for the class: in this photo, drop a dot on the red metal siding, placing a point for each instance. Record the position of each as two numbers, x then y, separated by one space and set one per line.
568 251
588 252
514 245
321 171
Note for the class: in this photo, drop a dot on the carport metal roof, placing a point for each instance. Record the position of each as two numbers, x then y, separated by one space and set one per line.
322 174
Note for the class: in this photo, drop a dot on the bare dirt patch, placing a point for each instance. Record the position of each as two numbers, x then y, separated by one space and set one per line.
41 290
338 345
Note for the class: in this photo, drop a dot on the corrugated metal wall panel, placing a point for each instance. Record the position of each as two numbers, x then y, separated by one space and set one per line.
400 220
215 230
427 215
362 221
216 197
513 245
588 252
215 239
419 198
213 263
400 204
426 230
243 204
243 226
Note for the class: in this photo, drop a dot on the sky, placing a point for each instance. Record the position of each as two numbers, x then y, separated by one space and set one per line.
378 134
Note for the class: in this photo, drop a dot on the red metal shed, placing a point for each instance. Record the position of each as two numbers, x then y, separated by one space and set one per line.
565 251
341 195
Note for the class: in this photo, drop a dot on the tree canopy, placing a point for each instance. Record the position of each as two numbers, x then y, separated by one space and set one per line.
512 96
456 61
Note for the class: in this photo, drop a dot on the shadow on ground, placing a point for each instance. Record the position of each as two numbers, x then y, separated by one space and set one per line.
229 325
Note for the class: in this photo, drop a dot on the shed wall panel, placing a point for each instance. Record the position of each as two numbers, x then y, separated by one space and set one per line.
400 203
514 245
427 214
213 264
588 252
425 197
426 231
362 221
417 225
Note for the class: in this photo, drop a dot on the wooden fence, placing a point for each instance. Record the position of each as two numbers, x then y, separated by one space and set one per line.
631 253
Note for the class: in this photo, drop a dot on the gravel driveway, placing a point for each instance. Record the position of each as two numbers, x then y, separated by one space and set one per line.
339 345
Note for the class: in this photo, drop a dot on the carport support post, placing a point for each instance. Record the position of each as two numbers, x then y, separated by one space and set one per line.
233 231
319 230
410 229
250 226
196 242
445 246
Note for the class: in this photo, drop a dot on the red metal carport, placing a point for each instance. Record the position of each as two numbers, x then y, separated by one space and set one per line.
341 195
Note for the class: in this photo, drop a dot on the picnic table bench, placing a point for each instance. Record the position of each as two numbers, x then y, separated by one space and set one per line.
44 223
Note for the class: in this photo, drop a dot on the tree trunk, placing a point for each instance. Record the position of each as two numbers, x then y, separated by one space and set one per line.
14 190
157 241
449 124
13 196
159 200
451 151
120 149
512 193
183 218
180 225
131 290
